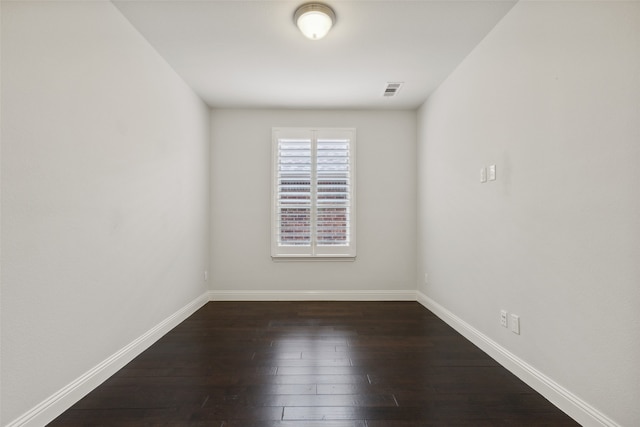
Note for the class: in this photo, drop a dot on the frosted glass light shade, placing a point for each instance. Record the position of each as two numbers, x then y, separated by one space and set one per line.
314 20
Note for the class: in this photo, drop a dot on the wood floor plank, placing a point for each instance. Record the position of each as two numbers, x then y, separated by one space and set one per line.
321 370
334 400
348 423
313 364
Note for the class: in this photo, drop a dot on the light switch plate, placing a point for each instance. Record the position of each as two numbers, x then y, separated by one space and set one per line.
483 174
492 173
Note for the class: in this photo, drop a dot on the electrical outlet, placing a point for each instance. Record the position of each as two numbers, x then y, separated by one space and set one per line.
515 324
503 318
483 174
426 278
206 275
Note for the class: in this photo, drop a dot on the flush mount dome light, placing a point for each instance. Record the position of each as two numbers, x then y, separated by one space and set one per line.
314 20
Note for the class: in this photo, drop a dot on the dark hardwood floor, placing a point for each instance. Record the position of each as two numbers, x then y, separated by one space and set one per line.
313 364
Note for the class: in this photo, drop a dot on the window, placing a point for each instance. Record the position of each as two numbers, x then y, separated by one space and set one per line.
313 213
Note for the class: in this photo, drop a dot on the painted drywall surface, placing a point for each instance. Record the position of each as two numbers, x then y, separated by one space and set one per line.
105 192
241 212
551 97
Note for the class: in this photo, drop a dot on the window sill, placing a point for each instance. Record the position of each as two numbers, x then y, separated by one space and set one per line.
303 258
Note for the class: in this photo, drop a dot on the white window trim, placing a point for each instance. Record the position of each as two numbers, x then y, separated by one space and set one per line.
312 252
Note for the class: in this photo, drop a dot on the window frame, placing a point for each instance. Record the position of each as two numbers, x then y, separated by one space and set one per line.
313 251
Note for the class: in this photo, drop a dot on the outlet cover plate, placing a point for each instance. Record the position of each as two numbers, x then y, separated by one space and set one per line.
503 318
515 324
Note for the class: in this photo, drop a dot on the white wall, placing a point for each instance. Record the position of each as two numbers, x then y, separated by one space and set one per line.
241 207
105 192
551 97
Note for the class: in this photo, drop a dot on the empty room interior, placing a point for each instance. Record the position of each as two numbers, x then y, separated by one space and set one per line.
492 181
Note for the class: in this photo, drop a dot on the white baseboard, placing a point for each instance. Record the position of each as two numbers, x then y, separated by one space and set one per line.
312 295
578 409
62 400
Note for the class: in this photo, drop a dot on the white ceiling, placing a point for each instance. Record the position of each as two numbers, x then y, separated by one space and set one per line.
249 54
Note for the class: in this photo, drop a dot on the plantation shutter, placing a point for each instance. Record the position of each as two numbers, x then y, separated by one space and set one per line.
313 193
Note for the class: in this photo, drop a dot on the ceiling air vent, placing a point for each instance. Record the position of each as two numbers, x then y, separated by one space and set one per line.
392 89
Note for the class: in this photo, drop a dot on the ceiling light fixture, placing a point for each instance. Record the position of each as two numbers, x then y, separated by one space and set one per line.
314 20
